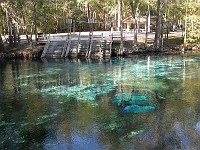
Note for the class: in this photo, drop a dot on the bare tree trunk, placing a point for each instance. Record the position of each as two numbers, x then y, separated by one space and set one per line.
119 15
56 17
11 44
35 20
120 52
1 43
33 25
88 11
24 21
136 26
161 38
15 36
115 21
157 42
11 25
3 25
185 34
147 25
134 12
9 28
18 36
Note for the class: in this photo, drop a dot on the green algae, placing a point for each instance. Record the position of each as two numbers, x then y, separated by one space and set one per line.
45 118
138 109
80 92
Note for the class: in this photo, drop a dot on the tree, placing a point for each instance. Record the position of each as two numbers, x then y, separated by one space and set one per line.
134 6
158 33
32 16
120 27
192 22
24 26
34 20
1 40
1 43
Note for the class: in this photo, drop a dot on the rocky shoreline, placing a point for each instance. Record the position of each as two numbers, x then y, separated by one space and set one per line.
22 54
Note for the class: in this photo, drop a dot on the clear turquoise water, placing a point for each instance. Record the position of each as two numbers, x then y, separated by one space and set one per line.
140 102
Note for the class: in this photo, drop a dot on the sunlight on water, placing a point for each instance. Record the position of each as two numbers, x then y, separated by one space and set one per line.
139 102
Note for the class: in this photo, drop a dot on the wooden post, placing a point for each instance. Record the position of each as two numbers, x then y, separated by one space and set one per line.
120 51
68 45
111 44
65 46
186 14
79 36
100 48
90 47
147 25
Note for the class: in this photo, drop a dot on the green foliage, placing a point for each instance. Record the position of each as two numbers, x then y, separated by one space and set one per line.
166 31
177 12
193 20
51 14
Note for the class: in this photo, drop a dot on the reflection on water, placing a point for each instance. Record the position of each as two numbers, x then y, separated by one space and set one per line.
141 102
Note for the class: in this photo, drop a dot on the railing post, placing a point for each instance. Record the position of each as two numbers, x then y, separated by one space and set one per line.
68 45
91 43
79 36
89 46
100 49
65 45
111 44
46 47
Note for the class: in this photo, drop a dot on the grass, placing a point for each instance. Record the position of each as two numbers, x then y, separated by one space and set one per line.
170 42
173 42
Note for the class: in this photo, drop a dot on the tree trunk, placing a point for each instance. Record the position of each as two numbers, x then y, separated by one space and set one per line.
119 15
24 21
88 11
11 44
147 25
161 38
134 11
120 52
185 34
1 44
35 20
136 27
33 24
56 17
15 37
115 21
9 28
157 42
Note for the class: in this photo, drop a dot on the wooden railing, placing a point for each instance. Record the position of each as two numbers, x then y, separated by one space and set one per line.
89 49
46 47
111 44
79 38
67 41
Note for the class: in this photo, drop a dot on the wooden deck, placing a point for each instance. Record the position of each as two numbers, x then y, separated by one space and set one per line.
74 45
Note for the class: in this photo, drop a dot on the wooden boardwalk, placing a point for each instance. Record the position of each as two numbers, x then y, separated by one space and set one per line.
77 45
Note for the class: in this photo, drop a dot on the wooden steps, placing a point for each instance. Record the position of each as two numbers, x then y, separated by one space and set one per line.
55 49
78 46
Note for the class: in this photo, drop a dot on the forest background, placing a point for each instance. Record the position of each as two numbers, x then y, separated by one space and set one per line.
29 17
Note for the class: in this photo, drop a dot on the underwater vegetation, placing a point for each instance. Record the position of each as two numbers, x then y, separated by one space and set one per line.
135 101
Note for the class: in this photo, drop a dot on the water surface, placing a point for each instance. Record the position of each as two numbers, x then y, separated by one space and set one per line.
140 102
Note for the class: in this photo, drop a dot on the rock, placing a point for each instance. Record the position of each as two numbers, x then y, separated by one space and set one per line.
195 48
177 48
182 48
189 48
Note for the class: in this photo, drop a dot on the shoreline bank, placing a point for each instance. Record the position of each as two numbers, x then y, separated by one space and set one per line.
36 53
